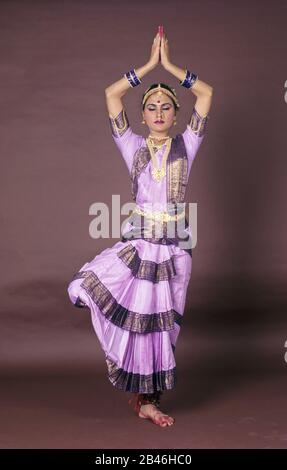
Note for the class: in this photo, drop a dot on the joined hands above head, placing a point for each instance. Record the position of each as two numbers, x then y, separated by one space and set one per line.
160 52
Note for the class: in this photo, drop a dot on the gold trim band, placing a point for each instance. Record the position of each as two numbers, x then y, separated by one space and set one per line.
162 216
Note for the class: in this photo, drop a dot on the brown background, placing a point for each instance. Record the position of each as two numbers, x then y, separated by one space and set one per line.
58 157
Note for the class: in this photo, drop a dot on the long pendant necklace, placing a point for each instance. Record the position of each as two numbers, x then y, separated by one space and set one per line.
158 172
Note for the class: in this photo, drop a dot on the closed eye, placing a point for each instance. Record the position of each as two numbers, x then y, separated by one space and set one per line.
166 108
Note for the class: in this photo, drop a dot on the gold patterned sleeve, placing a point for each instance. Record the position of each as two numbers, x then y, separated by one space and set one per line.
125 139
194 134
197 123
119 124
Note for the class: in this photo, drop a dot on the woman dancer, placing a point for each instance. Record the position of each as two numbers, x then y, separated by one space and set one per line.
136 289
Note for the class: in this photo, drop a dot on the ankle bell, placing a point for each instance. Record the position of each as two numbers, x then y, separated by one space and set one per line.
151 398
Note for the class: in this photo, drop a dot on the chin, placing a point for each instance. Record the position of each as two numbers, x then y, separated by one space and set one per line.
160 128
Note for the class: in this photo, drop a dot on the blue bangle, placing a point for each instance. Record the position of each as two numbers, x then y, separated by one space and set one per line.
132 78
189 79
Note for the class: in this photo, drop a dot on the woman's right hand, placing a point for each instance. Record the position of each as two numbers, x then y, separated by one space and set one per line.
155 52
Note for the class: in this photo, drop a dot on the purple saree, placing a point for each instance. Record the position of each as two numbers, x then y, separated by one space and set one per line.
136 289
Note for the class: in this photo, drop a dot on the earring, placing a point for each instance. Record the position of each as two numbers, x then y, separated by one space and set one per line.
143 122
174 122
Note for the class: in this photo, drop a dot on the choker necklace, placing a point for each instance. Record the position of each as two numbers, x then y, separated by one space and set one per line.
159 173
158 139
157 143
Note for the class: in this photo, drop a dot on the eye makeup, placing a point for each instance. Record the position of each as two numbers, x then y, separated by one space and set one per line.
152 106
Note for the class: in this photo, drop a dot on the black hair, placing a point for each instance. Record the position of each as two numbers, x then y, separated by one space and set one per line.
163 85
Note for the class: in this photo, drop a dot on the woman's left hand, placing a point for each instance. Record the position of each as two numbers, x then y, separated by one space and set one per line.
164 51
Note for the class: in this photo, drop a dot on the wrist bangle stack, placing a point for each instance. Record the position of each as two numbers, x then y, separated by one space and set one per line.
189 79
132 77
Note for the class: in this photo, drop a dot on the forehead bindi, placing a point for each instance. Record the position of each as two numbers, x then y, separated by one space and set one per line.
158 102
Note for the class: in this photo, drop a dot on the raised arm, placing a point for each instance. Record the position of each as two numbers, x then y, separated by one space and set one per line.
117 90
200 89
125 139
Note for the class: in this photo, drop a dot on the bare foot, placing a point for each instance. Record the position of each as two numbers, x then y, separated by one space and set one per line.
156 415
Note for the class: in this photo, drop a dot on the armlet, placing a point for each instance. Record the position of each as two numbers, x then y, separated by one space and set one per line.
197 123
119 124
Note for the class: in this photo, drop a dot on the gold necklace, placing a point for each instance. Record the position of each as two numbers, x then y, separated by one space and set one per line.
157 142
159 173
